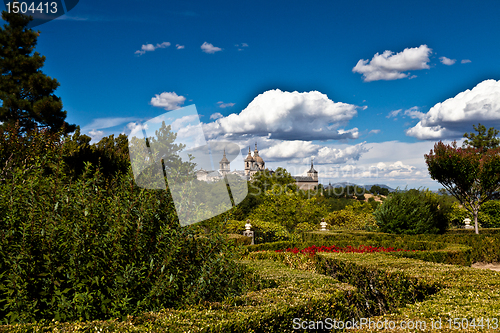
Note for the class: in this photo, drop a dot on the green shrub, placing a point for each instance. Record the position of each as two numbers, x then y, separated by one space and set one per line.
97 248
240 239
357 216
305 226
263 231
412 212
489 215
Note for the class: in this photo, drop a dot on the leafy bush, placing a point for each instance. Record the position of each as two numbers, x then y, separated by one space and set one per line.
288 209
305 226
97 248
457 214
263 231
357 216
412 212
489 215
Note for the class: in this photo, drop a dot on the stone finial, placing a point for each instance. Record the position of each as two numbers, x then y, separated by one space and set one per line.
323 225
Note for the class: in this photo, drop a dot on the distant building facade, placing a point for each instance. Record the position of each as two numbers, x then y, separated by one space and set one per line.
252 165
309 182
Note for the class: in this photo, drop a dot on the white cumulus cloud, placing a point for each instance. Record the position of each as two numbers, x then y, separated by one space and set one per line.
285 115
168 100
96 135
455 116
465 61
447 61
390 66
150 47
329 155
223 105
286 150
216 115
179 46
209 48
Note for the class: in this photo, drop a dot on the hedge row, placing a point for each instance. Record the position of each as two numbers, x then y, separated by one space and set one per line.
285 293
371 284
456 247
464 292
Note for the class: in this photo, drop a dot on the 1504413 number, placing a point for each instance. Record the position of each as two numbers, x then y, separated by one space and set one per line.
30 7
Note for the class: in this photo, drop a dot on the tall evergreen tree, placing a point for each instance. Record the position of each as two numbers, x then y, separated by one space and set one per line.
484 140
27 94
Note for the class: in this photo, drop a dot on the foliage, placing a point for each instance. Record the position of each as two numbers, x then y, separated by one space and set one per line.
472 175
334 203
489 215
110 153
305 226
482 140
457 215
280 181
263 231
375 189
357 216
291 286
97 248
288 209
412 212
348 192
27 94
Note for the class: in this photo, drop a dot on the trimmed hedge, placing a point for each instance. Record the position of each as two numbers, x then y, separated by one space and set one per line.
398 289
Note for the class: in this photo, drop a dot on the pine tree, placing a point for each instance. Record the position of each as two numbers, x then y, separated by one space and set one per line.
27 94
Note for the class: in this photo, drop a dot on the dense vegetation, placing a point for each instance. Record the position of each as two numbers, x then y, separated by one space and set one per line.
89 246
80 241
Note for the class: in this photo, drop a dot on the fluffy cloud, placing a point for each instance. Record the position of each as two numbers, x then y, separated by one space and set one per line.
328 155
390 66
455 116
223 105
288 116
96 135
414 113
209 48
168 100
150 47
447 61
179 46
465 61
216 115
287 150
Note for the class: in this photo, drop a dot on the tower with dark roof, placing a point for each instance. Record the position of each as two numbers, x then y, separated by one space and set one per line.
312 173
248 162
224 165
254 163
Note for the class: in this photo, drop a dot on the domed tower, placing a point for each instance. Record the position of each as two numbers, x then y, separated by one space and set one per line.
224 167
258 160
312 173
249 161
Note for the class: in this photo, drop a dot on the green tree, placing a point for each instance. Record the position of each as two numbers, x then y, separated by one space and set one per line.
279 181
483 139
375 189
412 212
27 94
288 209
470 174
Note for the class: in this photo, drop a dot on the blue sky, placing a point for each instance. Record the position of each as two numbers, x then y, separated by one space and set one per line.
354 84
